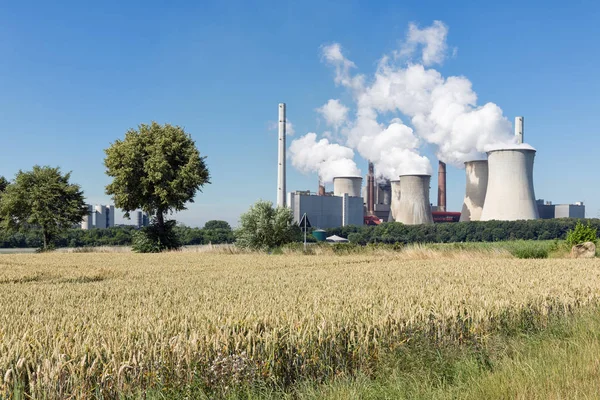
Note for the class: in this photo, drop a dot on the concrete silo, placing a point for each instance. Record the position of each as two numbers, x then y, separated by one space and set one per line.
349 185
510 195
414 207
100 216
395 200
477 182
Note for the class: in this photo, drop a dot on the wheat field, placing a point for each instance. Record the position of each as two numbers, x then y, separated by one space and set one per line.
99 324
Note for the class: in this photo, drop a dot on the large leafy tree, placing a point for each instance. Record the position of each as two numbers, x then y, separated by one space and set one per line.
3 184
42 198
156 168
265 227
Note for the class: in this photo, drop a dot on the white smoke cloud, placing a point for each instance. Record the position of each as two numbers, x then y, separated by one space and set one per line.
442 111
327 159
334 113
431 40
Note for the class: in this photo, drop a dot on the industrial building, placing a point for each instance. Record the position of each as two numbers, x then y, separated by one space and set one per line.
142 219
547 210
342 207
98 216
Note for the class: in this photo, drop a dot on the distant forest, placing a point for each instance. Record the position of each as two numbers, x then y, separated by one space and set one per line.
218 232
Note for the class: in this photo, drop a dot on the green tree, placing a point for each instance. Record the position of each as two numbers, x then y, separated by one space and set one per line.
156 168
265 227
3 184
42 198
216 224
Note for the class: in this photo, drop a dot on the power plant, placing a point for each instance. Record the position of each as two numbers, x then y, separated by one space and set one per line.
499 188
98 216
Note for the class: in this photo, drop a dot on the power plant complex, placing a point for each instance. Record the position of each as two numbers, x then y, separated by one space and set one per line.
499 188
102 217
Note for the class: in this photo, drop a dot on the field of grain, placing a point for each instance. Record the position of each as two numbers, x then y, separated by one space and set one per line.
98 324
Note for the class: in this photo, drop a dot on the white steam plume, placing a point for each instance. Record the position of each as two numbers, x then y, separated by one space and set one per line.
327 159
334 113
442 111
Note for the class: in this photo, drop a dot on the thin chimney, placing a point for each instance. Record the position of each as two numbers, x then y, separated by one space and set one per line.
442 186
520 129
281 158
371 190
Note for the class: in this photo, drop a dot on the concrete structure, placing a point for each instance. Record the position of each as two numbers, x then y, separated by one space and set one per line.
520 129
327 211
476 187
88 219
350 185
441 202
371 190
547 210
510 195
281 158
414 207
576 210
395 200
98 216
142 219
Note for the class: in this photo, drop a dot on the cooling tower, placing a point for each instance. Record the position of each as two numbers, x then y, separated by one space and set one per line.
395 200
510 195
100 216
414 207
347 184
477 181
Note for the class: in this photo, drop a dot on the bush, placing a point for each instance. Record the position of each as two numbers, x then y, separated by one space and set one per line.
151 240
529 249
581 234
265 227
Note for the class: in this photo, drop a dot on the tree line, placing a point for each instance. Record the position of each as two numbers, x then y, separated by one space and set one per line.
475 231
213 232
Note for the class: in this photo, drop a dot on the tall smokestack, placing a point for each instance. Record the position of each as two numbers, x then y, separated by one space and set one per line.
520 129
371 190
441 202
321 191
281 158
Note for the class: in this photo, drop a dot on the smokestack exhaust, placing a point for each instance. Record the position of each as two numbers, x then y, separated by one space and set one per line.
441 186
281 158
371 190
520 129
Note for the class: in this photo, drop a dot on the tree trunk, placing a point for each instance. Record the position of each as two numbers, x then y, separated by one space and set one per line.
160 221
46 239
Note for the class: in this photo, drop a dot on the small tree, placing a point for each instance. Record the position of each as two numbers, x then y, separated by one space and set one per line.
156 168
581 234
264 227
42 198
216 224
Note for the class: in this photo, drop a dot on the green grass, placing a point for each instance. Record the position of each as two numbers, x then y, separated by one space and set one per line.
561 361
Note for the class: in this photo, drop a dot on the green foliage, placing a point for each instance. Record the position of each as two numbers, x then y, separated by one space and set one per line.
43 198
153 239
216 224
581 234
477 231
265 227
156 168
529 249
3 184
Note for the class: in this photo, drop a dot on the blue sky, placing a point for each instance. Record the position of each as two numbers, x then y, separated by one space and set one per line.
75 76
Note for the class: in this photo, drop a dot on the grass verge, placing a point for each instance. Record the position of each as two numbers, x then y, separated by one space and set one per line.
561 361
